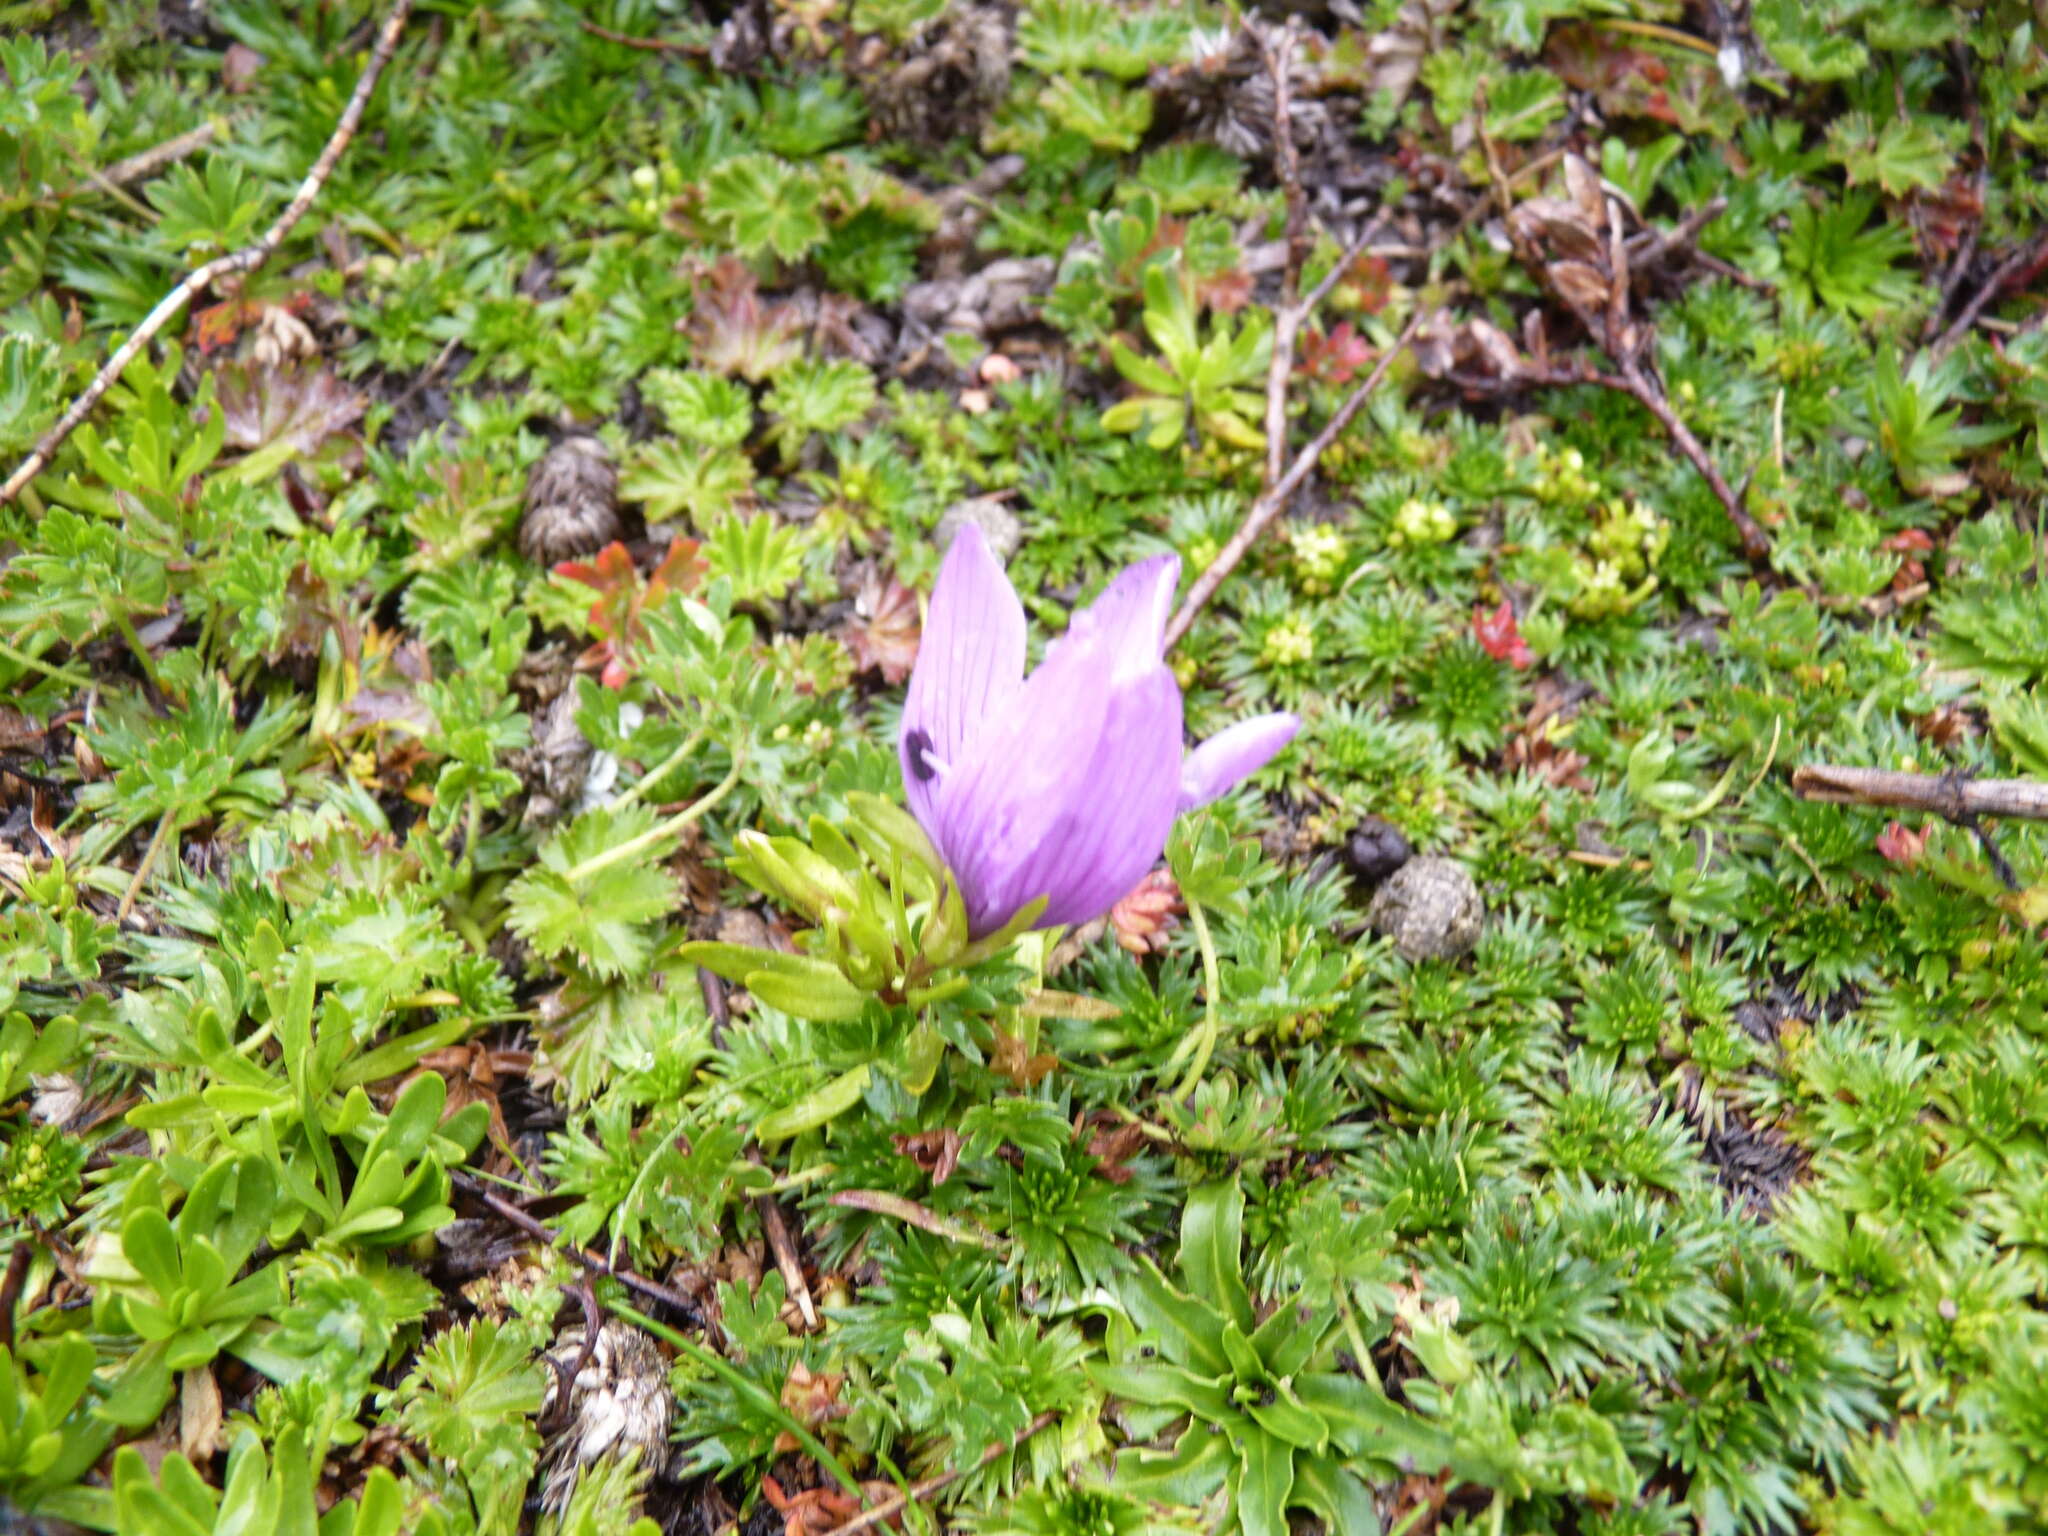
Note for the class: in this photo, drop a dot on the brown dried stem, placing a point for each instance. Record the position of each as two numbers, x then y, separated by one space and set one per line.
646 44
889 1509
1287 323
2029 252
146 163
788 1262
594 1263
1620 337
245 260
12 1282
1274 500
1630 380
1948 795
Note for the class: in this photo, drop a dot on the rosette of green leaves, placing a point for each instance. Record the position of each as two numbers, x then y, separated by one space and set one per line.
889 925
48 1438
273 1494
172 1283
1269 1417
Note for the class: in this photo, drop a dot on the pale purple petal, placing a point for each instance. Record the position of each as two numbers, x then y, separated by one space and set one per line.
1233 755
1112 828
1131 801
1131 613
1007 794
970 668
1064 785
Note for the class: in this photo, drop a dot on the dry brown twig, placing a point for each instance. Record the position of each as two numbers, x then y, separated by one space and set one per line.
2027 253
1939 794
1282 478
245 260
917 1493
1273 501
12 1282
782 1243
645 44
146 163
1576 282
594 1263
1287 323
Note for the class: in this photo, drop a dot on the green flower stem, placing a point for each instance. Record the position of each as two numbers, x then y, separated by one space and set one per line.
1212 989
666 766
141 652
762 1401
1356 1338
36 664
632 847
661 1143
801 1178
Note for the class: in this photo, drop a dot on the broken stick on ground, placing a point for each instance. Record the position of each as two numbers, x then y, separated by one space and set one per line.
1942 794
247 259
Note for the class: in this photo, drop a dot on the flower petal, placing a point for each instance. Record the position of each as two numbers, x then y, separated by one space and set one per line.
1088 844
970 667
1130 615
1130 796
1229 757
1009 785
1072 795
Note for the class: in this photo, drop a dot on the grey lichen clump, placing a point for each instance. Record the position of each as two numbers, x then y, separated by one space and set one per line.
571 502
619 1400
1430 908
998 524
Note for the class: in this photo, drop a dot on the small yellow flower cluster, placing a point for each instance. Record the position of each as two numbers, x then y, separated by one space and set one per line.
1290 643
1422 522
653 186
1319 551
1616 569
1561 478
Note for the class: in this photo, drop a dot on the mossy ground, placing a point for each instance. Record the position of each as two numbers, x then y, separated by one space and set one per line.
344 759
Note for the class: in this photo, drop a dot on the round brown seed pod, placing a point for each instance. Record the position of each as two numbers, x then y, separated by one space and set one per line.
571 502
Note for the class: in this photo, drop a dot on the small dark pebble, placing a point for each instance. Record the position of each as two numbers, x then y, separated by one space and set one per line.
1376 849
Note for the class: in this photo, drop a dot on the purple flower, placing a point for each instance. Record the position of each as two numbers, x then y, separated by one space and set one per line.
1065 784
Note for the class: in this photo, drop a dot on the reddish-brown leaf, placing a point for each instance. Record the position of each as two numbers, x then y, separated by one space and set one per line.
1335 357
1500 636
1900 843
734 330
885 627
303 407
936 1152
1146 917
1013 1058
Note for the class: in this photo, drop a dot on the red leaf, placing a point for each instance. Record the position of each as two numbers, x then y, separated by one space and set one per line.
1336 357
884 630
1501 637
1901 844
622 598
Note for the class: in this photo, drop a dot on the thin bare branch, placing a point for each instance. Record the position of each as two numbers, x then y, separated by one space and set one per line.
2029 252
645 44
782 1243
1631 380
1949 795
889 1509
1274 500
1288 317
653 1290
247 259
146 163
1620 337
